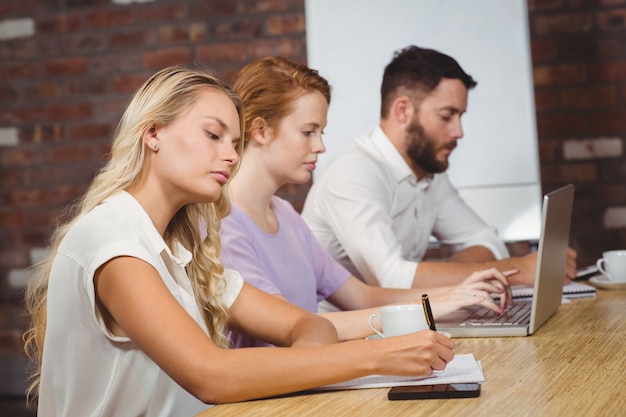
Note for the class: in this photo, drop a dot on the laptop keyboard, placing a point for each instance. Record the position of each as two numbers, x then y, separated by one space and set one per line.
518 313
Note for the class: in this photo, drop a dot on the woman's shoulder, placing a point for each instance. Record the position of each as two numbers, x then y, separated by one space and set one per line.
106 225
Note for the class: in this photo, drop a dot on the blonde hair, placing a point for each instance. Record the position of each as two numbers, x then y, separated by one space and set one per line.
161 99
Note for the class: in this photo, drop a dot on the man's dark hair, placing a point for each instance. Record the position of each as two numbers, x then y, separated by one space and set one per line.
417 71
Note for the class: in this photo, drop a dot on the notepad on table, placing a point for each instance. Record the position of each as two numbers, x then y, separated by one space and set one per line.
572 290
462 369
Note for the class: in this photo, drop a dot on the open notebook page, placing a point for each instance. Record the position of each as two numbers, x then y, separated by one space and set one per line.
462 369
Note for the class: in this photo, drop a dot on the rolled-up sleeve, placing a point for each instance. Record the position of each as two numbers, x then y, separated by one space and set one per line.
458 225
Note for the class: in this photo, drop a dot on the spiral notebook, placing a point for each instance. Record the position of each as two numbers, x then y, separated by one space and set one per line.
571 290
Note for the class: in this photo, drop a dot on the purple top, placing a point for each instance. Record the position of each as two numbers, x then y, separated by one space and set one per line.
290 262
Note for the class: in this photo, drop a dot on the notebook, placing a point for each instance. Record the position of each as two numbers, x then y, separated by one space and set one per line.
571 290
548 285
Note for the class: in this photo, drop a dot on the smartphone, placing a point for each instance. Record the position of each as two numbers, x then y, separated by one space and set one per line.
437 391
586 272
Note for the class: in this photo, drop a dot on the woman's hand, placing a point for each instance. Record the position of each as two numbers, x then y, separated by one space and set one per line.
475 289
413 354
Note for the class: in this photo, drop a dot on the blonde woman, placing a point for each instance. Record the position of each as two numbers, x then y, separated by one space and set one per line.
130 311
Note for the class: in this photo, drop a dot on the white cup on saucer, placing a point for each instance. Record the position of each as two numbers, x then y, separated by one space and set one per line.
613 265
397 320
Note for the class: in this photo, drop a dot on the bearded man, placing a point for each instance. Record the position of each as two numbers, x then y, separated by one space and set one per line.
375 207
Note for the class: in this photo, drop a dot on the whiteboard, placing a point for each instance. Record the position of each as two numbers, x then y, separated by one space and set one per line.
495 166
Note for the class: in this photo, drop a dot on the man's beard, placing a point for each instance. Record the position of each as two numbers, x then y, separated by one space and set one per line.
421 149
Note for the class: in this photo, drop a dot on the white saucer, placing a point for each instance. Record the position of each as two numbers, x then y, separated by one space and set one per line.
601 281
376 337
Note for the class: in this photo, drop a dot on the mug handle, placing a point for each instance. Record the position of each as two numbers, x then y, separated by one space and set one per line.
600 264
370 320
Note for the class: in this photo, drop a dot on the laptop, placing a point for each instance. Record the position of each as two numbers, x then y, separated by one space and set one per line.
477 321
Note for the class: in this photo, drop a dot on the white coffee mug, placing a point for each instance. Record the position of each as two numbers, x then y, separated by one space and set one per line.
396 320
613 265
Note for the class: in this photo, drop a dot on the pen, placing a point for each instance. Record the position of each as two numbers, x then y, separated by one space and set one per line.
428 312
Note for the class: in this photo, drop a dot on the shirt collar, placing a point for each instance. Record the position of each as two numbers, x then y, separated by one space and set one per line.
131 208
397 164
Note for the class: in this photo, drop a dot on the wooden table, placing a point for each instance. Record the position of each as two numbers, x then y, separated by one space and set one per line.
575 365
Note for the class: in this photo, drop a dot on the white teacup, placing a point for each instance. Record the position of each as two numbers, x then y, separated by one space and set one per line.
613 265
396 320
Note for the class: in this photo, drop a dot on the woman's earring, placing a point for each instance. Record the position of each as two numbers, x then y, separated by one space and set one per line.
155 147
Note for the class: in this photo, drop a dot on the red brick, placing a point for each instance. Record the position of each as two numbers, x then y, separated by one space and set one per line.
559 74
272 6
47 174
21 157
158 12
590 98
608 71
610 47
111 109
90 86
25 197
23 114
85 43
549 150
550 125
18 71
69 111
547 100
90 131
611 19
210 9
193 32
59 23
608 122
48 218
218 53
624 94
48 90
71 154
612 2
166 57
35 48
10 177
244 27
129 83
285 24
39 133
8 94
13 219
293 48
64 193
6 8
131 39
109 18
543 50
112 64
562 23
545 5
583 172
66 66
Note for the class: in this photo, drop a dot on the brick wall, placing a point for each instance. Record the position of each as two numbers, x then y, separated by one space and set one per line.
67 68
579 61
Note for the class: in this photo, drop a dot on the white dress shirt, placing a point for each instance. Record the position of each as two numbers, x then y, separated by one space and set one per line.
372 214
